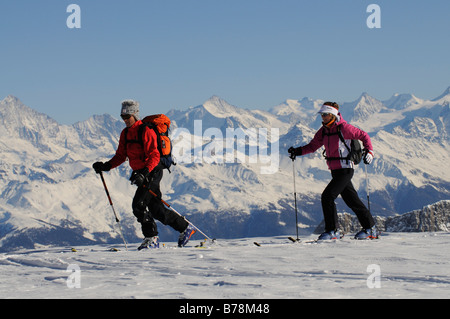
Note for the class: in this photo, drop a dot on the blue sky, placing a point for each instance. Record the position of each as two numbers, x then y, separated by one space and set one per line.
174 54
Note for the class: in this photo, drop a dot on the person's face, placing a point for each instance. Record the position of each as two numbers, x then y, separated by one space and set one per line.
128 119
326 117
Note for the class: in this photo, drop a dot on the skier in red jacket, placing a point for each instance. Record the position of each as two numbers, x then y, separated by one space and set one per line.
342 170
147 174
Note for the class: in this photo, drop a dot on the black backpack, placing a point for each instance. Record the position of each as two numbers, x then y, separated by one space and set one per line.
355 152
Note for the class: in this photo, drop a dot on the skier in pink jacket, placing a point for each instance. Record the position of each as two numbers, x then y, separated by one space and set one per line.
342 169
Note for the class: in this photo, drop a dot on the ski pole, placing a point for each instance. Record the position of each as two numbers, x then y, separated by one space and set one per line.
295 198
114 211
367 189
168 206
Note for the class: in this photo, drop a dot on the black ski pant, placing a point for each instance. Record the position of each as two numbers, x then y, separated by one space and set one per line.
341 184
147 208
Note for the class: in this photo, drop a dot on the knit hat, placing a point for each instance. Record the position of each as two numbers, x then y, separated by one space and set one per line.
130 107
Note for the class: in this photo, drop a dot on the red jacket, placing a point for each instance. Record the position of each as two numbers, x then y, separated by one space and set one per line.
139 157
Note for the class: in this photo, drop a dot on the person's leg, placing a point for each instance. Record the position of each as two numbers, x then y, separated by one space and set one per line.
352 200
340 179
159 211
140 202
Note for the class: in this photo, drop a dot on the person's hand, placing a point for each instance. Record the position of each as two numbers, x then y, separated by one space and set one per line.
368 157
100 166
139 177
293 152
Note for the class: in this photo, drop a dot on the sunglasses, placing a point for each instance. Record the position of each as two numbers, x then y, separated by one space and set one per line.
325 114
125 116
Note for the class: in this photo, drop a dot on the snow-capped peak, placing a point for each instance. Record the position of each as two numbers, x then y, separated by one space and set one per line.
444 97
361 109
288 107
219 107
22 121
402 101
11 99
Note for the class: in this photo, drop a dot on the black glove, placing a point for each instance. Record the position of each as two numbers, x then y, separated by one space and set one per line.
100 166
293 152
139 177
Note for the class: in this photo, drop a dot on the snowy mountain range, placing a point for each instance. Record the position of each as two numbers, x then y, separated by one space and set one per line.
225 181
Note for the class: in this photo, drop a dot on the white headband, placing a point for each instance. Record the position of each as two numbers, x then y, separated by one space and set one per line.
328 109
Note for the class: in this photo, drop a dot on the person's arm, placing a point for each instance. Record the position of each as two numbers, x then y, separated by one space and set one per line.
121 152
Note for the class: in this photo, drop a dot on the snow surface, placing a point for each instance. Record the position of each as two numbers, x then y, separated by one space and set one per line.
409 265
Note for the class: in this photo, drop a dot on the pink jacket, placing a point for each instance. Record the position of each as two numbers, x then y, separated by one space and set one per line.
333 144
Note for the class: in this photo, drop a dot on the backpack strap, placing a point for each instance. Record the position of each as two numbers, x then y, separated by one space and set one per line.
140 139
341 137
139 136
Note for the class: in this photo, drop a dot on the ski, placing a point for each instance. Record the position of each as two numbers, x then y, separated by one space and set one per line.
75 250
294 240
148 248
202 244
311 241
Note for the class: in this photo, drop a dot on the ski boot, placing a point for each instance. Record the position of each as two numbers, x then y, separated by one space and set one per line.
149 242
369 233
329 235
185 236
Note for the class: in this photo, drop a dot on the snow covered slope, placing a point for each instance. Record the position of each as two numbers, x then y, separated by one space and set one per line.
49 193
399 265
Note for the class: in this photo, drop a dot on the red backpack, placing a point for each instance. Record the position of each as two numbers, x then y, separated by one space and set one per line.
160 123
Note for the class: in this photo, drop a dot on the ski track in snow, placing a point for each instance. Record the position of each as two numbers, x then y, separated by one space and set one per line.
412 265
